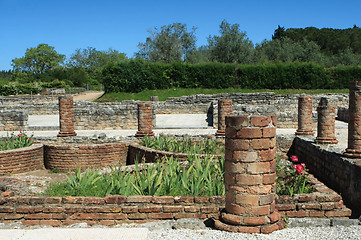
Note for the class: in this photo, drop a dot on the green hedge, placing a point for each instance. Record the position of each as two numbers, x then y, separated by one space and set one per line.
136 76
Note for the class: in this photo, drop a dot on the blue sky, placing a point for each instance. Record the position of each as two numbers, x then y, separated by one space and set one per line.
121 25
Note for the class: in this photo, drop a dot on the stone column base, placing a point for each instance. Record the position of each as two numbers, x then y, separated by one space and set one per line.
304 132
221 133
323 140
66 134
235 223
144 133
352 153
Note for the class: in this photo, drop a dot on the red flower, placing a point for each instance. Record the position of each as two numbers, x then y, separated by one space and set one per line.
298 168
294 158
303 165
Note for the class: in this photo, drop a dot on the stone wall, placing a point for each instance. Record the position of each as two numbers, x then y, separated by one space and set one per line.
13 120
90 115
22 159
70 156
339 173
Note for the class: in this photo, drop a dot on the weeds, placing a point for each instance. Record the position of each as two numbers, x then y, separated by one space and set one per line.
16 141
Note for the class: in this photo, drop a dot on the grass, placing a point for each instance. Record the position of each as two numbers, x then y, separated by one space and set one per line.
178 92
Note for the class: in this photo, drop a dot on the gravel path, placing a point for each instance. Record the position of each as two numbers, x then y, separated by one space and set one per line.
317 233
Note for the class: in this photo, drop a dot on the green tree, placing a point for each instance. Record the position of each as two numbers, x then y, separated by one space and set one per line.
38 60
232 46
168 44
90 58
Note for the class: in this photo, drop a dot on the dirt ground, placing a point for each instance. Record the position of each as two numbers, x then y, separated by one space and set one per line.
88 96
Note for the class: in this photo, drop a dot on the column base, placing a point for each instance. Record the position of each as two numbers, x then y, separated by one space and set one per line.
66 134
221 133
233 223
326 140
304 132
144 133
352 153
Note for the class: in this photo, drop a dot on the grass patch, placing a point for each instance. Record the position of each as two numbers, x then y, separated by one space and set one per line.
178 92
172 144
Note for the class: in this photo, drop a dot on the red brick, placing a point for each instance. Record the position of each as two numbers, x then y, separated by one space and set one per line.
231 167
338 213
147 209
269 228
115 199
237 144
258 211
237 121
94 200
266 199
244 156
260 121
107 222
269 178
285 207
30 222
257 168
170 209
316 214
53 210
249 133
306 198
244 229
267 155
235 208
209 209
274 217
72 200
201 199
328 206
263 143
268 132
232 219
6 209
53 200
254 221
263 189
247 179
296 214
37 216
13 216
191 209
247 199
130 209
225 227
134 216
139 199
163 200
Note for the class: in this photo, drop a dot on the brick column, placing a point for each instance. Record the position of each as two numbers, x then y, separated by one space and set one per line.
326 115
304 116
354 122
224 109
66 116
250 175
145 119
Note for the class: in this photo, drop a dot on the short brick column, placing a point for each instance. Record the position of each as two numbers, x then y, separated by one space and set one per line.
304 116
224 109
326 115
66 116
354 122
145 120
250 175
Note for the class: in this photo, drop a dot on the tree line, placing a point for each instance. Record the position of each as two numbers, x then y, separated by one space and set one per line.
177 43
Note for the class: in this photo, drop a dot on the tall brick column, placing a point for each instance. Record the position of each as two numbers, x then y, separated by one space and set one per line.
224 109
66 116
354 122
304 116
145 118
326 115
250 175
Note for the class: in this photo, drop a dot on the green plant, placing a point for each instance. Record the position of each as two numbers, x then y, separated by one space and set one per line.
16 141
292 179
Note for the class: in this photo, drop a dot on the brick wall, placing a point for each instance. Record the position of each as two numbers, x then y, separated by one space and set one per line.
339 173
21 160
137 151
114 209
65 157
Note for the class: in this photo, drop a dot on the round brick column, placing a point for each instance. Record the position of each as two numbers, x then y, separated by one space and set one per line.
224 109
145 118
304 116
326 123
354 122
250 175
66 116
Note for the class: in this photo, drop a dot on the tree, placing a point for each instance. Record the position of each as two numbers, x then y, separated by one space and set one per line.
90 58
38 60
168 44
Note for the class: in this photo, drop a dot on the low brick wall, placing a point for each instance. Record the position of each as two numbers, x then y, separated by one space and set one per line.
115 209
22 159
65 157
140 153
322 203
339 173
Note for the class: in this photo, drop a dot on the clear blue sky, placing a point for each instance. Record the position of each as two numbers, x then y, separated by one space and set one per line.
121 25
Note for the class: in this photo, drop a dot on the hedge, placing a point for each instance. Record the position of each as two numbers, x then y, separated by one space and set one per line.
137 75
